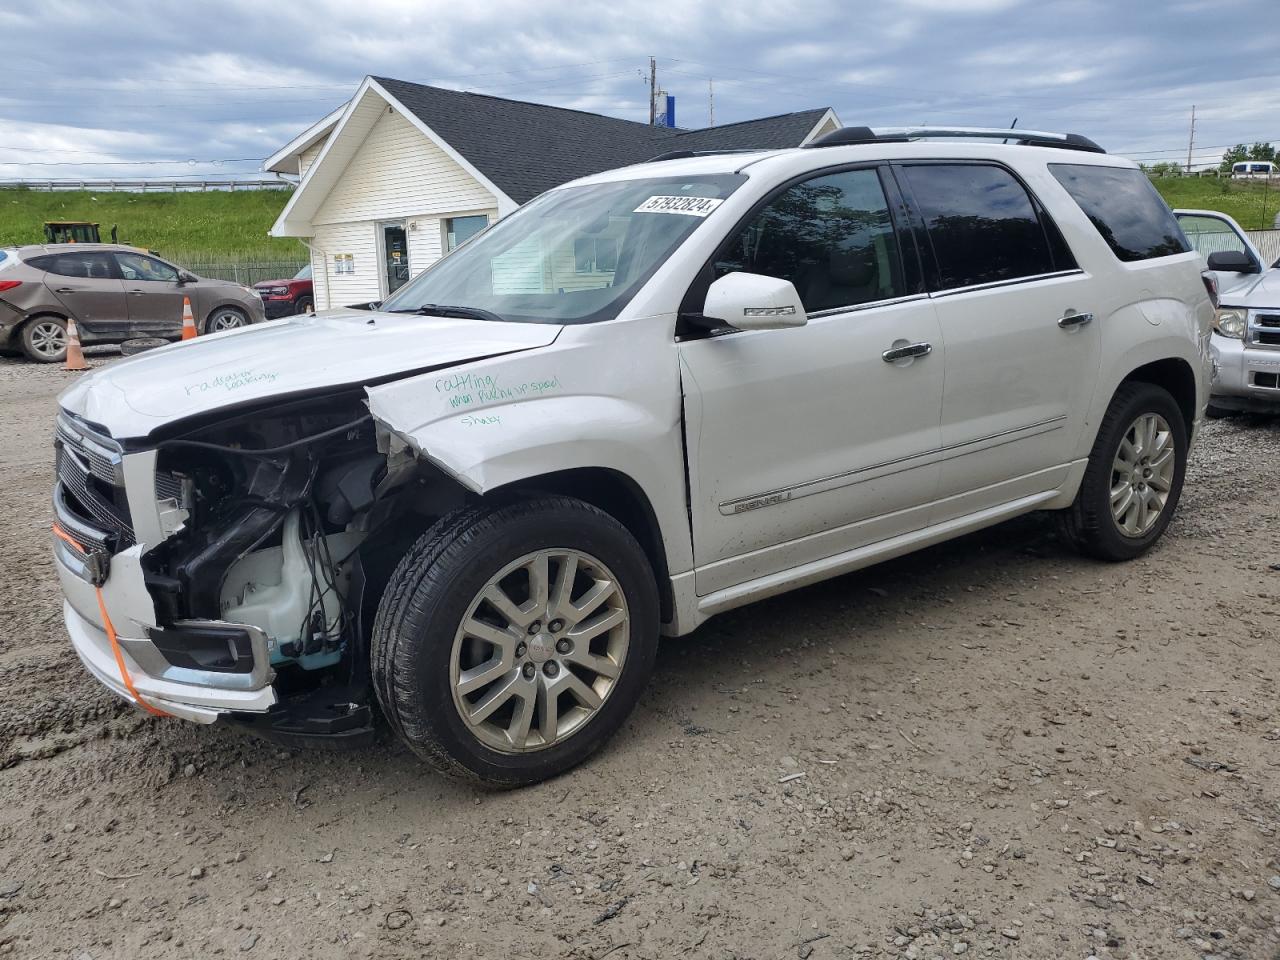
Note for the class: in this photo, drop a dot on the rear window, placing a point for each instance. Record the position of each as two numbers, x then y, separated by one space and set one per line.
1125 208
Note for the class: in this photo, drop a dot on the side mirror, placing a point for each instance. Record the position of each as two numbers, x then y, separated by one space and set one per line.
186 276
1233 261
750 301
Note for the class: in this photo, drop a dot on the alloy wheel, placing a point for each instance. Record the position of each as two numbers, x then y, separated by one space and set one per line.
1142 475
225 320
49 339
540 649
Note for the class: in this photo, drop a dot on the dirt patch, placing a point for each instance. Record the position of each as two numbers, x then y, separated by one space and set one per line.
992 747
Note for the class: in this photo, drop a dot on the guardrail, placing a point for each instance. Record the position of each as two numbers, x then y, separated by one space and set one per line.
152 186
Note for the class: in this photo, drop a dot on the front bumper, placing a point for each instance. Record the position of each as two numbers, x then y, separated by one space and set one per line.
98 560
200 704
1247 376
276 307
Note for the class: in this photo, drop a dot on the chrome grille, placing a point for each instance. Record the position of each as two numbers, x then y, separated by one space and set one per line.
1264 330
88 471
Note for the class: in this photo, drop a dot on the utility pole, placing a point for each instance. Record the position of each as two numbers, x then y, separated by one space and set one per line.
711 102
1191 140
653 90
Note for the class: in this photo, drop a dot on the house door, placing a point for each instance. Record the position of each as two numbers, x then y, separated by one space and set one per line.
395 256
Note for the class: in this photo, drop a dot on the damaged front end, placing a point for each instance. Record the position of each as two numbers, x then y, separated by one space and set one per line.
275 522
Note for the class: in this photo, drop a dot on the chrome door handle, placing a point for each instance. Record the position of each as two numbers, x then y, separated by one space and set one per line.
65 289
894 354
1075 320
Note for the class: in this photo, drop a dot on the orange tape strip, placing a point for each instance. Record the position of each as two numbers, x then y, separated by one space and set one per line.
111 633
124 671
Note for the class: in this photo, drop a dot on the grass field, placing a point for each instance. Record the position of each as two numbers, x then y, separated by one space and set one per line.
224 228
190 228
1252 203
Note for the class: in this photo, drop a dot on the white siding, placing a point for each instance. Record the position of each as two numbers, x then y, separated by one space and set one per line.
396 171
337 290
308 156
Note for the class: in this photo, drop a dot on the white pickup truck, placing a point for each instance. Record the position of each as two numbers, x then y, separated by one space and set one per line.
646 397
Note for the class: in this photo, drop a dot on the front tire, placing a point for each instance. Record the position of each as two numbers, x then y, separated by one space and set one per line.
304 304
225 318
1134 478
513 641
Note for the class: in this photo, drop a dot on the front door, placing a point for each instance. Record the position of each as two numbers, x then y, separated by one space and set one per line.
807 442
395 256
1022 345
154 295
1211 232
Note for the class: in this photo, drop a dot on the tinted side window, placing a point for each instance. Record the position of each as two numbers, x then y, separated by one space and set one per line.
137 267
1125 208
982 224
86 265
831 236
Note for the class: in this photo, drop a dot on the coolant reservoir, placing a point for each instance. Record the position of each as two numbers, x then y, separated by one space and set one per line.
276 589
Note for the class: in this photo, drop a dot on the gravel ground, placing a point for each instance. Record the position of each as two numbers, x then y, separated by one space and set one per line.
992 747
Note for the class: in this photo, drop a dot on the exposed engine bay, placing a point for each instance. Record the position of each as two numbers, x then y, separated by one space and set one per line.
276 519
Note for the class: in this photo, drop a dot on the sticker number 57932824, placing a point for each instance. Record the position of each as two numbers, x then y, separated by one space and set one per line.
688 206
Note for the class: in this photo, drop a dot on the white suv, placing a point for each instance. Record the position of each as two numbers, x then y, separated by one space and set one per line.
646 397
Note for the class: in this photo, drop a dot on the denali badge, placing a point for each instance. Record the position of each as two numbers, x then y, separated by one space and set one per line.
768 311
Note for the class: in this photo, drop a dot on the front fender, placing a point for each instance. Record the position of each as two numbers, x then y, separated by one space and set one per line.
510 420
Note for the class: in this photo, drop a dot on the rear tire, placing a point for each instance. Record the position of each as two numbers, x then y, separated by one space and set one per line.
1115 516
44 339
558 691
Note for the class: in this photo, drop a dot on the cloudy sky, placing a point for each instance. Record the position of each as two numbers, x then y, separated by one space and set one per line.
209 87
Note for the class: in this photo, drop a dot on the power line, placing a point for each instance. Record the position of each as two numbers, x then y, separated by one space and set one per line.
918 92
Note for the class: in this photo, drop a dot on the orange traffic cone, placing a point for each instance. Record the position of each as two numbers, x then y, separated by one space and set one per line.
189 330
75 356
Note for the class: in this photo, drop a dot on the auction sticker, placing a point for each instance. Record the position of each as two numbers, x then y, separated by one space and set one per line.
689 206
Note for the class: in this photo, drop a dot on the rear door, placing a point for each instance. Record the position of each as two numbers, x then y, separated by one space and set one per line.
1016 316
153 293
86 283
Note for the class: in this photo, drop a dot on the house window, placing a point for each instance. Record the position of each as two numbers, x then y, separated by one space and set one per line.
458 230
595 254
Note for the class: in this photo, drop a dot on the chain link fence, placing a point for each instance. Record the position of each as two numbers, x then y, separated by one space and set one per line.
1268 244
247 273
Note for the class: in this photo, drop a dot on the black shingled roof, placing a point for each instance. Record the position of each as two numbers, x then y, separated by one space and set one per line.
526 148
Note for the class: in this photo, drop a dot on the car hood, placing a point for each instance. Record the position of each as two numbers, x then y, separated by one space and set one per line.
1256 291
340 348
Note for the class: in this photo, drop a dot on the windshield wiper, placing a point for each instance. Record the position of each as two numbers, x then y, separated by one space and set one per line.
448 310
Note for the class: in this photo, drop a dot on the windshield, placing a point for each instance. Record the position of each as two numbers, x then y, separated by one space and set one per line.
573 255
304 273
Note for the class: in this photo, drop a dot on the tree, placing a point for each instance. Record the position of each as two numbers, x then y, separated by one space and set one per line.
1234 155
1262 151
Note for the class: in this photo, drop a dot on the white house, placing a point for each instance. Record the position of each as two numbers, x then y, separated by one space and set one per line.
403 173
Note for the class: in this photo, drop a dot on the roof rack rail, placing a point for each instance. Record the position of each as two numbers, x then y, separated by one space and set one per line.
1031 138
686 154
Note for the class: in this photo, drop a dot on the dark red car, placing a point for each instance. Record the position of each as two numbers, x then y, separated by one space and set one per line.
282 298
